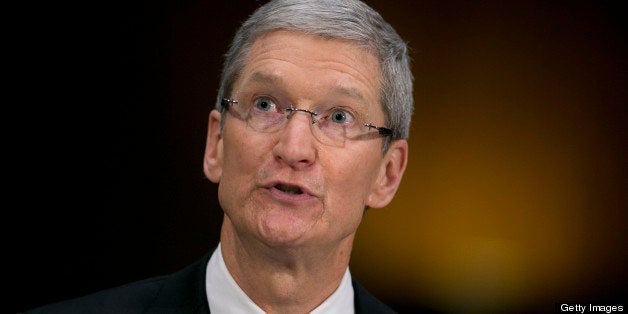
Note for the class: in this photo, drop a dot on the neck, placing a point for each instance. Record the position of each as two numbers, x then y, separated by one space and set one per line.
284 279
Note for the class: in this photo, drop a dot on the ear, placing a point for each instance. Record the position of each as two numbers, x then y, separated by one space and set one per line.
212 161
390 173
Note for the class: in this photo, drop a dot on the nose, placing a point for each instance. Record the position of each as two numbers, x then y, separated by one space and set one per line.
296 145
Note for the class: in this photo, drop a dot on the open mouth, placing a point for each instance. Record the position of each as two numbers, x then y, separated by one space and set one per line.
289 189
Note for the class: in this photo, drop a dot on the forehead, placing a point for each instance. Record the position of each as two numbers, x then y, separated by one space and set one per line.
311 64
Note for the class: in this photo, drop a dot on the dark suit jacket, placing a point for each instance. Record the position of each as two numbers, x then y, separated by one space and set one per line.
181 292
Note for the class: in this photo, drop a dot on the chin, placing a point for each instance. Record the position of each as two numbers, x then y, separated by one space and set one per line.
288 236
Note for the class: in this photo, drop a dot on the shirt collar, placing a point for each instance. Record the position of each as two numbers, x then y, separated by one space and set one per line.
225 296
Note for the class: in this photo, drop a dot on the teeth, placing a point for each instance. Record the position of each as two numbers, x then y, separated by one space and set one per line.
289 189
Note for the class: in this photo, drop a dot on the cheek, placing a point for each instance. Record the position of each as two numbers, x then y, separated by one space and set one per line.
243 152
243 157
347 191
350 179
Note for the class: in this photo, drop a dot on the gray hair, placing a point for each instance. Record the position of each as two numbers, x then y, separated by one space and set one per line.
350 20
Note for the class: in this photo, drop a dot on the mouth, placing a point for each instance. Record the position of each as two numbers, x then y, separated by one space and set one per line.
288 189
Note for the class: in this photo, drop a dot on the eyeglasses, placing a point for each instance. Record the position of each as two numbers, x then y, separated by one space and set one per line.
334 125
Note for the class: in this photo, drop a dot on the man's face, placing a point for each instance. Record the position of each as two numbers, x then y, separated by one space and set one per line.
286 188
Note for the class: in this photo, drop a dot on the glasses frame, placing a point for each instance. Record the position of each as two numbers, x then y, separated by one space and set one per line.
226 102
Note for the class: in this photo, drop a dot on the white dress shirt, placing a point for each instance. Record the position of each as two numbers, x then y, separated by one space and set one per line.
225 296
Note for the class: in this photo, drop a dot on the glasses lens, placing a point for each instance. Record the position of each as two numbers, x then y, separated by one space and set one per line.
266 122
331 126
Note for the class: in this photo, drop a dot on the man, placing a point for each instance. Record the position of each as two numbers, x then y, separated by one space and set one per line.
309 131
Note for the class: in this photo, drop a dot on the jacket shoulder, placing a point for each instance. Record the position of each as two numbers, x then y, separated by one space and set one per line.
183 290
366 303
130 298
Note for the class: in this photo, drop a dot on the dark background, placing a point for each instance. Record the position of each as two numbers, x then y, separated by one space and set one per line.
107 122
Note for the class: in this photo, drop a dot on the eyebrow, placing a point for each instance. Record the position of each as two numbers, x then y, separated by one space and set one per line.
265 78
259 77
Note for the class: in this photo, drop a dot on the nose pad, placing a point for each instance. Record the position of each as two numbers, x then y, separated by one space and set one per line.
297 125
293 110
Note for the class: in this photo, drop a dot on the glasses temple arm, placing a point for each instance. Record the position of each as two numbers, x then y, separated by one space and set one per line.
382 130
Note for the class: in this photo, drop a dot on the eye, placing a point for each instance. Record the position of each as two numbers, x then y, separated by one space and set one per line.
265 104
340 116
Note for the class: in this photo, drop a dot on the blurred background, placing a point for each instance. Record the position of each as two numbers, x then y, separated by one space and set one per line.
513 199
